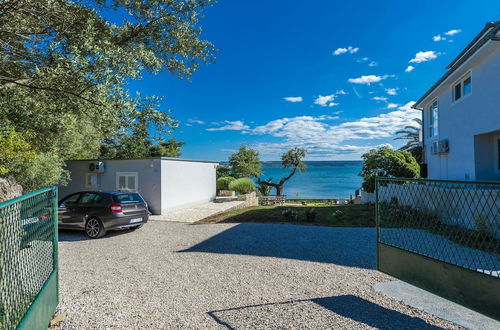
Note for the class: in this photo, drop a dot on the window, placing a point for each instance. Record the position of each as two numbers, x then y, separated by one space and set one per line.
69 200
126 181
89 199
433 119
130 198
462 88
91 180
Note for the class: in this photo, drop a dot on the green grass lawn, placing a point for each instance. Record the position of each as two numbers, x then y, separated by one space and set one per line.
326 215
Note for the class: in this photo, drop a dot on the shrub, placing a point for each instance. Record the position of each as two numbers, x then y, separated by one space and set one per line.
311 214
223 183
264 190
290 215
385 162
242 186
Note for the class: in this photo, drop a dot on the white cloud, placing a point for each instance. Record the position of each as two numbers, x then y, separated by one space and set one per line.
367 79
323 139
379 98
341 92
392 105
438 38
339 51
410 68
453 32
392 91
237 125
325 101
349 49
424 56
384 145
293 99
196 121
366 59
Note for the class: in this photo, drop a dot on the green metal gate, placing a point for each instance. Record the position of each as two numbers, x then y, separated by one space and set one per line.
29 290
442 236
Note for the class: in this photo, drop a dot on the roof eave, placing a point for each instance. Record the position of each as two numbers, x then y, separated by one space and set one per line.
463 57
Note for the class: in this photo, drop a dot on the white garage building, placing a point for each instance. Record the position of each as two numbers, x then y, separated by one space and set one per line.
165 183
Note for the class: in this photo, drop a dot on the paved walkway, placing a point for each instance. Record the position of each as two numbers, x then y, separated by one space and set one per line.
196 213
430 303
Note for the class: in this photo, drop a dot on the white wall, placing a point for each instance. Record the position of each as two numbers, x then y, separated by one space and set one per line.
186 183
459 122
148 171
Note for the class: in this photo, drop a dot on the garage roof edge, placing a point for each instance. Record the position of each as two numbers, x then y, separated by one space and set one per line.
148 158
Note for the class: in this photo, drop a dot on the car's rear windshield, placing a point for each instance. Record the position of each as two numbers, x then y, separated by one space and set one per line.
128 198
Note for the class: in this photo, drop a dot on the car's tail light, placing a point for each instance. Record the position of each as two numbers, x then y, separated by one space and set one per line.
115 208
146 206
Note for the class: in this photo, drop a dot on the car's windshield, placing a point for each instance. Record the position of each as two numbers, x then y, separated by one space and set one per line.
128 198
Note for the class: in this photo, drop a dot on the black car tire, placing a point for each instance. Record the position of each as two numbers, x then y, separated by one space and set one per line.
135 227
94 228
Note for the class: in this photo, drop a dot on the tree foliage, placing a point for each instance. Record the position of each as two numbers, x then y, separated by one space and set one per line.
30 169
222 171
386 162
65 66
290 159
223 182
245 163
412 135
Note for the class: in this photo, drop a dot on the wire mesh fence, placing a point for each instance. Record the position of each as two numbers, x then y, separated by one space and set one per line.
451 221
28 252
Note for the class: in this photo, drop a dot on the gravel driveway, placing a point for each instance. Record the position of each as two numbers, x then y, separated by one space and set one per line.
175 275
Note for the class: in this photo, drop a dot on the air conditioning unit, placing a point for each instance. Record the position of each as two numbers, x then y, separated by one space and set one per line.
96 167
440 147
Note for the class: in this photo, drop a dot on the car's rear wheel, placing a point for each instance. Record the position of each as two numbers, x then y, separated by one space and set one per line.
94 228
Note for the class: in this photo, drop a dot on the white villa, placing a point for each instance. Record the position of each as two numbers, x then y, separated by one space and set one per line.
461 114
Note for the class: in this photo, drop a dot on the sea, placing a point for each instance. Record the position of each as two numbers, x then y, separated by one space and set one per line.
322 179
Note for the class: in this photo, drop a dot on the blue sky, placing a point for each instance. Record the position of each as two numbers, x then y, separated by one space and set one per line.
330 76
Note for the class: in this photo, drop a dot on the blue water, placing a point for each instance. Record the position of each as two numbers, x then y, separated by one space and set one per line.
322 179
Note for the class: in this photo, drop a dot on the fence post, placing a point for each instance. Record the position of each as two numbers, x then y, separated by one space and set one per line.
56 239
377 219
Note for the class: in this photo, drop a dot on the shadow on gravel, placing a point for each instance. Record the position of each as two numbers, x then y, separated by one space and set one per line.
67 235
354 247
348 306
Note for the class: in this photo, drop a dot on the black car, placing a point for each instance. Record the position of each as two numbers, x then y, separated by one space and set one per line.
96 212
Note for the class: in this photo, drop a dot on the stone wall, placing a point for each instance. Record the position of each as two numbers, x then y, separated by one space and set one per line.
9 189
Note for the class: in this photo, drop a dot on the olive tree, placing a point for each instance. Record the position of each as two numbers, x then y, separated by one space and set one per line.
291 159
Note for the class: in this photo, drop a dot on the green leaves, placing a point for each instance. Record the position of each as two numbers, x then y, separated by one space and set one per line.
293 158
64 70
245 163
386 162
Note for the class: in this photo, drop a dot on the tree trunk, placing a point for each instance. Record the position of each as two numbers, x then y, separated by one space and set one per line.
279 190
